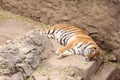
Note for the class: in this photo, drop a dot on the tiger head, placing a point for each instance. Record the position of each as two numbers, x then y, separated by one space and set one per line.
92 52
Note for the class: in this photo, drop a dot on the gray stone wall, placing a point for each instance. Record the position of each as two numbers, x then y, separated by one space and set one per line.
100 18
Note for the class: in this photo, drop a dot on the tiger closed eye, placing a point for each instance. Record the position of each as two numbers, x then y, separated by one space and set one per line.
95 48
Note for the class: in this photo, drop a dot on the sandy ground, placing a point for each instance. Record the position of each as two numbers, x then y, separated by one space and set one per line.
10 28
12 25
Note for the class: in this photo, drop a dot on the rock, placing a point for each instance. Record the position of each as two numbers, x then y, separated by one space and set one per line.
22 55
27 70
105 73
36 38
37 76
8 41
37 41
69 78
50 72
29 58
5 66
17 76
5 78
35 62
3 63
117 54
27 49
13 59
116 1
112 58
115 75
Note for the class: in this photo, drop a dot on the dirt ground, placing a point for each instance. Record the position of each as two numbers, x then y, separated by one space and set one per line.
12 25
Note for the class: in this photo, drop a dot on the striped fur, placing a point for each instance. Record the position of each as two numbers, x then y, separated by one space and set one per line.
74 40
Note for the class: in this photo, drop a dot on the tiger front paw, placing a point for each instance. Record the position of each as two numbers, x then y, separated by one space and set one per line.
58 52
60 56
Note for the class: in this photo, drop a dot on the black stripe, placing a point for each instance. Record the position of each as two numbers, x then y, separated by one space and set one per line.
60 29
48 31
52 36
64 36
80 45
63 39
86 47
79 48
72 50
52 32
65 33
73 30
68 30
66 41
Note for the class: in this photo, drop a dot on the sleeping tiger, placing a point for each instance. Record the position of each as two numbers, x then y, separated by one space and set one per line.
75 41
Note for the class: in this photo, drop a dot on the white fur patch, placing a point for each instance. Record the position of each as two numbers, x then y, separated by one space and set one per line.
67 53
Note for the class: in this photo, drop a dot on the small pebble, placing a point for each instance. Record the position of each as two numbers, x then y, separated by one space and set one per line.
112 58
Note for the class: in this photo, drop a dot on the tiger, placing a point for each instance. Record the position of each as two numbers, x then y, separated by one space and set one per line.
74 41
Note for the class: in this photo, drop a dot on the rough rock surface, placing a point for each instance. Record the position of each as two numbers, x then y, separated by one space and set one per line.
112 58
21 56
107 72
100 18
117 54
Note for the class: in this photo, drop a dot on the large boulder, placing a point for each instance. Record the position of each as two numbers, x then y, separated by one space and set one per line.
21 56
